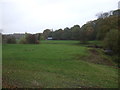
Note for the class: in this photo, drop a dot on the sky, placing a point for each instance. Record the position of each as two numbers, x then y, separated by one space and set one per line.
34 16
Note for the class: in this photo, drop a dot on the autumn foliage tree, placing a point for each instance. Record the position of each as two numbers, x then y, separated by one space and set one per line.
29 39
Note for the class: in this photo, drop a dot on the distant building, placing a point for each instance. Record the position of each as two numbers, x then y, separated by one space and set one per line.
49 38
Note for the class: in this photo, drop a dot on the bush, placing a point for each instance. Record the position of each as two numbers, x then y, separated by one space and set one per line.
11 40
23 41
29 39
111 40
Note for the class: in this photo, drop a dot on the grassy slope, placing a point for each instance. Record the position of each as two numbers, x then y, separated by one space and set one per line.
53 65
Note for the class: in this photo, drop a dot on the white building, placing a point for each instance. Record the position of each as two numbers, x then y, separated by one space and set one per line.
49 38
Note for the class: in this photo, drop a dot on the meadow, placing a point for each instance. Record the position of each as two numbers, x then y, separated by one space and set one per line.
56 64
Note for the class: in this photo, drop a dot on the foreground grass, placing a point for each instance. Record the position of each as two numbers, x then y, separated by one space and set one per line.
53 65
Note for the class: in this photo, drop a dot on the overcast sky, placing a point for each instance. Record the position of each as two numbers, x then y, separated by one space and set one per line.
34 16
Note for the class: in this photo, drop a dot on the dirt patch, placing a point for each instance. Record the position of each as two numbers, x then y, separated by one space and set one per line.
95 57
93 51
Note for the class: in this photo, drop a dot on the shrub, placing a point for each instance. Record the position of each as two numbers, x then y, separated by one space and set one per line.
29 39
23 40
11 40
111 40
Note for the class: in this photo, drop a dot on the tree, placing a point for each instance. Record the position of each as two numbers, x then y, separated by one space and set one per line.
57 35
46 33
90 30
66 34
116 12
11 40
29 39
22 40
75 30
105 25
112 40
102 15
42 37
83 37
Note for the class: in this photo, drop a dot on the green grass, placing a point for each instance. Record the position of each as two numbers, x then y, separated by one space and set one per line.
53 64
60 42
95 42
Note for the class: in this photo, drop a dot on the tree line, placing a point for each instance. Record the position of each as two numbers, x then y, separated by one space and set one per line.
105 28
92 30
26 38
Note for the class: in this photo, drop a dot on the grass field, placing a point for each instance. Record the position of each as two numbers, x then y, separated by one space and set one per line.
54 64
